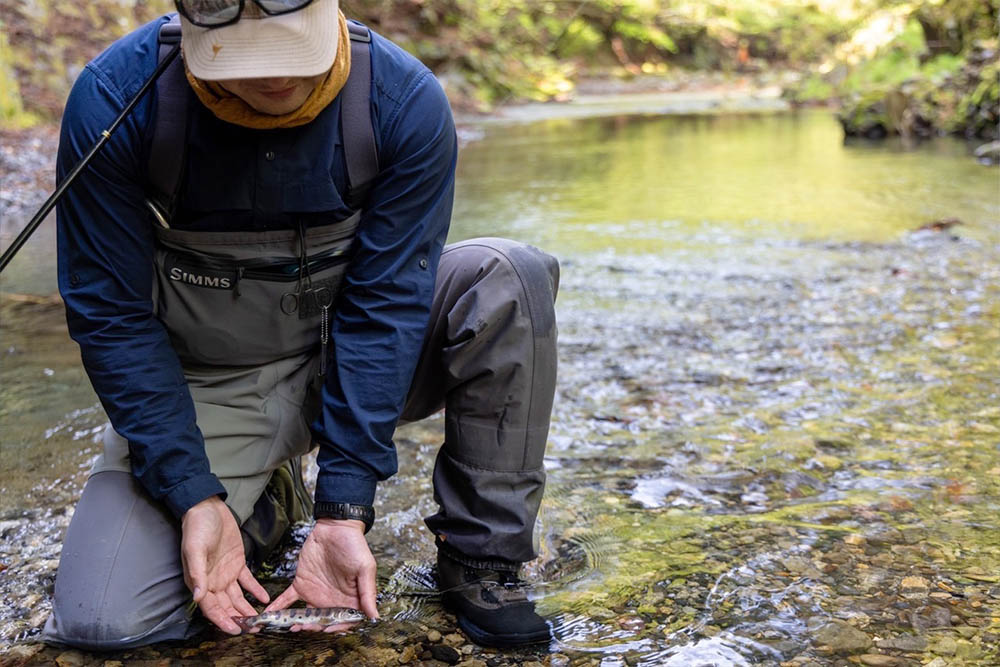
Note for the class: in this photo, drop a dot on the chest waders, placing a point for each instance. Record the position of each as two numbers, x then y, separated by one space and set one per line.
248 312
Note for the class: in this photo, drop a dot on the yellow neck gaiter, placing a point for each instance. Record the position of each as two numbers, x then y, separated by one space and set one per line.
232 109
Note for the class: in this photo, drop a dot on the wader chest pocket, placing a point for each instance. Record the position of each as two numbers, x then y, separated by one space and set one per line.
219 310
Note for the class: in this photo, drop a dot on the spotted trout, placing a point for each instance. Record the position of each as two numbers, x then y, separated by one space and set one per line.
283 619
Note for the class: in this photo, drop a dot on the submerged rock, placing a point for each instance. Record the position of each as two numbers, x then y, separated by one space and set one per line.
930 616
912 643
879 660
842 637
988 153
914 588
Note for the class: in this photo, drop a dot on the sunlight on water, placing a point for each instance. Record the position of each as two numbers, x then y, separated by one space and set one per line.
691 184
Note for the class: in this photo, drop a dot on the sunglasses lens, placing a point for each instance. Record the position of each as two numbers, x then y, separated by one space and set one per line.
207 13
282 6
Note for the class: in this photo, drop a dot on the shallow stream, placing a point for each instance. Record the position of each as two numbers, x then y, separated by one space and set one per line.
776 438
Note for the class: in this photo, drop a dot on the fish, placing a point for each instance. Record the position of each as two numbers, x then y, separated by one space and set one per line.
283 619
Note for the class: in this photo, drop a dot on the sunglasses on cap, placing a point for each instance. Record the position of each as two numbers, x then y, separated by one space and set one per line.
218 13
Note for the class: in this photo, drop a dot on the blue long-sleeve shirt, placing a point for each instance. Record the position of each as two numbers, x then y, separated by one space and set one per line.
242 179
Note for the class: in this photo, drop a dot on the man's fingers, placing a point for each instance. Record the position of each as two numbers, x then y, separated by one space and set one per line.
220 615
340 627
243 608
366 592
310 627
239 603
252 586
288 597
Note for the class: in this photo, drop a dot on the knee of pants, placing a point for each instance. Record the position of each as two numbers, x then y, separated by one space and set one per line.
91 616
537 269
537 263
120 581
531 265
521 271
111 629
539 279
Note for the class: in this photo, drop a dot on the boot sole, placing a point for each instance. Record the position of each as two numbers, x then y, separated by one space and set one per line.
484 638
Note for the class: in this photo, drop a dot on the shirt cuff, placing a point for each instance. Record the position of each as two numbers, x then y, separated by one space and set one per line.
338 488
190 492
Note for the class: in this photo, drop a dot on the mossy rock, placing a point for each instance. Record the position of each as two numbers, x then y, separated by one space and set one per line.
866 116
978 112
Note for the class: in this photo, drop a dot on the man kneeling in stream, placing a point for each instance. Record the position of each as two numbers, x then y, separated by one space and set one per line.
254 265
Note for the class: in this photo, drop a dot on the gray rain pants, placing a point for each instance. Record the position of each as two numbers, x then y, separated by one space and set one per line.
489 358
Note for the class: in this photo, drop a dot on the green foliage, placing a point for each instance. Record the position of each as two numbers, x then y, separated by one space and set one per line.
579 39
12 113
978 112
507 49
893 65
936 75
814 88
941 67
491 51
51 41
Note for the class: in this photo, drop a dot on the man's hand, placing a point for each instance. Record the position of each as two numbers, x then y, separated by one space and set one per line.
336 569
215 566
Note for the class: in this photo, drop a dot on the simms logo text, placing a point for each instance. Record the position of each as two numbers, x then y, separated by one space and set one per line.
202 280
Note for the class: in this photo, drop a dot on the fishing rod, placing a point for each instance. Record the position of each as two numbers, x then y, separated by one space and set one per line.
22 238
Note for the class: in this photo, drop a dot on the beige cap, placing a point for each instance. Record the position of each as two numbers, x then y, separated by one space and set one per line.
300 43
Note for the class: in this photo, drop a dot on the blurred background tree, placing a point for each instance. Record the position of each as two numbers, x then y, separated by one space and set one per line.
488 52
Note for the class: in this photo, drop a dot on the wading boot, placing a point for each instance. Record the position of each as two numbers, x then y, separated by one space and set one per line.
492 605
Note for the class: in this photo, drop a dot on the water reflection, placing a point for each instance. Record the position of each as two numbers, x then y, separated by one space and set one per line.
669 183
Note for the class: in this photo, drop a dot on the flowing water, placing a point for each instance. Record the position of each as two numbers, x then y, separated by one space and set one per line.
776 437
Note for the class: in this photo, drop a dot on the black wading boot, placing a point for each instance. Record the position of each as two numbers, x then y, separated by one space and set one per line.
492 605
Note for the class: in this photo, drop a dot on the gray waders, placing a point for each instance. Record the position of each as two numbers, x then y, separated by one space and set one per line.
489 358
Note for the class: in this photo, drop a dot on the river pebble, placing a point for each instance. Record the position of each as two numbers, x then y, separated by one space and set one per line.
914 588
929 616
878 660
445 653
70 659
944 645
911 643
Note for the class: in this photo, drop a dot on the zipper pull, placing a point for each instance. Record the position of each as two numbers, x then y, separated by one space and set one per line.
324 337
239 276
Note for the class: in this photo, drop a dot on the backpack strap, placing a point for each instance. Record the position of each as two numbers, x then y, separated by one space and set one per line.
360 150
168 147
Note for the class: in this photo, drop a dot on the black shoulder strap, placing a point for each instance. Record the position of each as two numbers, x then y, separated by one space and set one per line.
360 150
169 143
165 164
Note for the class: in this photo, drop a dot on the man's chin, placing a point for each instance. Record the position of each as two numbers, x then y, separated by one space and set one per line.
273 108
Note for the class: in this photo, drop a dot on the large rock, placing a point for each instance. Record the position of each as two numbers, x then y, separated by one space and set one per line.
842 637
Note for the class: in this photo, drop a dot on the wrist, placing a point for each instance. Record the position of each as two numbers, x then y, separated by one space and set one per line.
338 524
365 514
203 505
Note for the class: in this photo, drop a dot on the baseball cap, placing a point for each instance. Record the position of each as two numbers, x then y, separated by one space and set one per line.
299 43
